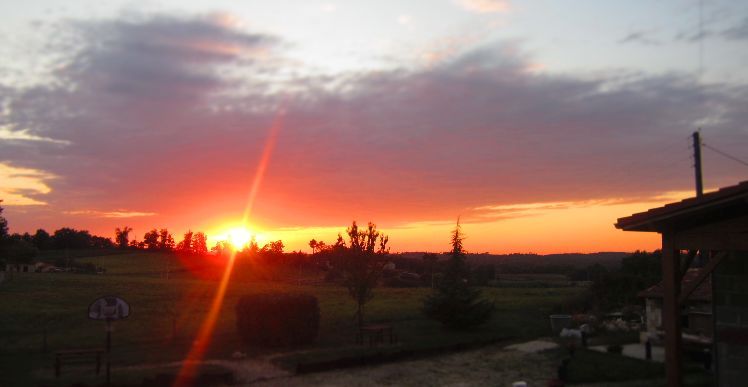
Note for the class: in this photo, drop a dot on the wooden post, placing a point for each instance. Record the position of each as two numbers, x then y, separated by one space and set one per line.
697 164
108 352
671 281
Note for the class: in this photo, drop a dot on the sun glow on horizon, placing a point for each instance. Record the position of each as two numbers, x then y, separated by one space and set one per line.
239 237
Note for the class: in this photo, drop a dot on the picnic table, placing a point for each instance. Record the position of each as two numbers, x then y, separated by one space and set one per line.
78 356
376 333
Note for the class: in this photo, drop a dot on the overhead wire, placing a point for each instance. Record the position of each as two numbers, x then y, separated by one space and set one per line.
724 154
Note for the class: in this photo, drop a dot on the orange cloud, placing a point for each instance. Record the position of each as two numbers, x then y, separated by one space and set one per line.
19 185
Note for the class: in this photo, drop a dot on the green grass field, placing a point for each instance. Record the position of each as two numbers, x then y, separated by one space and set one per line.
59 301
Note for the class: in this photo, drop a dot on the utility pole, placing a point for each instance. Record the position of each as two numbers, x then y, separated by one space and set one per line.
697 163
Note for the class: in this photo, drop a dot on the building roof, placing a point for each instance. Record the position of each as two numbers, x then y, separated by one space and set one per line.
727 201
702 293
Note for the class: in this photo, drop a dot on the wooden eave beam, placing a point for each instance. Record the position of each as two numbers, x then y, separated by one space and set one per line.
703 273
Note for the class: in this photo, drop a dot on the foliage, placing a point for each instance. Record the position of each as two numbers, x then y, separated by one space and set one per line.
69 238
200 243
278 319
186 244
614 289
122 237
273 248
150 240
646 265
360 263
455 303
165 241
42 240
19 251
3 227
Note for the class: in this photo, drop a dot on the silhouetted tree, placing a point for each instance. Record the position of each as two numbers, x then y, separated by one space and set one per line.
14 248
361 263
42 240
273 248
313 245
122 237
252 248
69 238
222 247
186 244
455 303
166 241
98 242
3 227
200 243
150 240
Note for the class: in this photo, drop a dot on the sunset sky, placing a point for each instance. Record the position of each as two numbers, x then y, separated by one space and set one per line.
537 122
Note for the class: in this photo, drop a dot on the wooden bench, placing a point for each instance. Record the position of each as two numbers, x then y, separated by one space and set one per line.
376 333
77 356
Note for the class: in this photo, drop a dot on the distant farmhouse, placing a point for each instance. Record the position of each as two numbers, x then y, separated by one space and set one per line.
714 225
39 267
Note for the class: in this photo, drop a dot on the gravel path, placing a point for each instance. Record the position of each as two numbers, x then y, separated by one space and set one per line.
490 366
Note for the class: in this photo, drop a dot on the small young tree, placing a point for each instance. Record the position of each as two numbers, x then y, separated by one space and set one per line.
361 263
455 303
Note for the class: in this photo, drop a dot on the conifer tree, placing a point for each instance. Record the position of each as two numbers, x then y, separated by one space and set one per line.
454 302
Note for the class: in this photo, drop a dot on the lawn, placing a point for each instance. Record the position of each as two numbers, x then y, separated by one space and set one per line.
59 301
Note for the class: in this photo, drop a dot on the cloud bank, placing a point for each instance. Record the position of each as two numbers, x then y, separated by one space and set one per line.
170 115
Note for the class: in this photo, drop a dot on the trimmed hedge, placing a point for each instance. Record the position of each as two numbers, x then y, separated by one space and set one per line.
278 319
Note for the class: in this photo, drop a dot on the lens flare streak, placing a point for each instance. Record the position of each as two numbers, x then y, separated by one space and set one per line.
202 341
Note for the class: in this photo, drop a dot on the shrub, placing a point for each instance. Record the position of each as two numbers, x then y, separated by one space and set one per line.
278 319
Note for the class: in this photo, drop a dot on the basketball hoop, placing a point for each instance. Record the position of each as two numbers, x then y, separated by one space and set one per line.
109 308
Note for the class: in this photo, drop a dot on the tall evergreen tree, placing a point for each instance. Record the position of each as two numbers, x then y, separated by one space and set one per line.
455 303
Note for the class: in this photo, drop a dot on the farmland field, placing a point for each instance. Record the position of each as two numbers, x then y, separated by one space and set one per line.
29 302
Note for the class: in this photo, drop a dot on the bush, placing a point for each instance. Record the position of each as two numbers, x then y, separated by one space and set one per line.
272 320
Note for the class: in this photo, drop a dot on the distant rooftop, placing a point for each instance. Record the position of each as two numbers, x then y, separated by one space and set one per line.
702 293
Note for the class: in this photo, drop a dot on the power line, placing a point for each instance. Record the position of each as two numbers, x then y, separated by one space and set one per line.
725 154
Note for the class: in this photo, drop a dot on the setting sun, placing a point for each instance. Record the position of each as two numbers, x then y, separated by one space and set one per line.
238 237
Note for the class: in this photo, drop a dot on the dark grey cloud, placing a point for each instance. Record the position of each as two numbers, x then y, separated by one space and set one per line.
738 31
641 37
